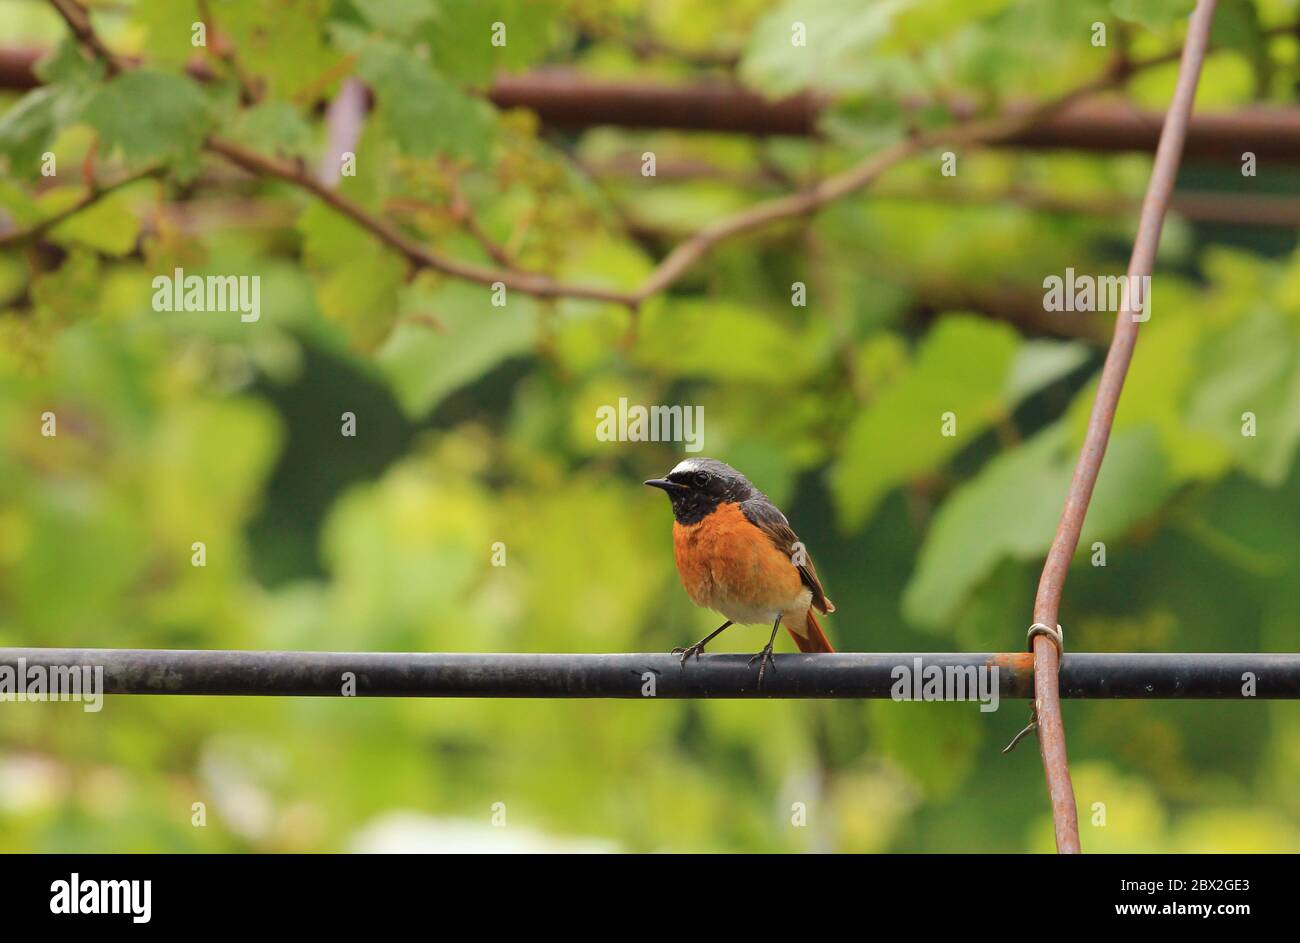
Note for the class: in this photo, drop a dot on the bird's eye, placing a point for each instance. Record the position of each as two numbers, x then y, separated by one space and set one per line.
701 479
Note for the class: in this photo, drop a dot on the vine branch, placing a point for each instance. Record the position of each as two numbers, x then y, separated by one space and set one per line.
78 20
90 198
686 254
418 255
1047 603
223 50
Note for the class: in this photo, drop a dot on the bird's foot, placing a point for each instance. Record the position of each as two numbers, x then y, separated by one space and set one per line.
697 650
764 658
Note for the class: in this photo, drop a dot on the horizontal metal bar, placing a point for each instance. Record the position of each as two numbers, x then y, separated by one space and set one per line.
844 675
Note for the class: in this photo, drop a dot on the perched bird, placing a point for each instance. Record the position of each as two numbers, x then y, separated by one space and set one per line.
736 554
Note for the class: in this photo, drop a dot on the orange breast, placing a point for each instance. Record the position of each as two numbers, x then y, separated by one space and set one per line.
728 564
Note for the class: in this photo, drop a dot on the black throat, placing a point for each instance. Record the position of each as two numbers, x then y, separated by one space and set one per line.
691 507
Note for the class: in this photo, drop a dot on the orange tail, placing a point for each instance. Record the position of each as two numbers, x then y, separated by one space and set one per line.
815 640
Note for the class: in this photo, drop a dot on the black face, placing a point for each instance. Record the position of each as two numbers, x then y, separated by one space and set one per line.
698 485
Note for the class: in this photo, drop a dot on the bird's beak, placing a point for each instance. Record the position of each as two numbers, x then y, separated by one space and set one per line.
665 484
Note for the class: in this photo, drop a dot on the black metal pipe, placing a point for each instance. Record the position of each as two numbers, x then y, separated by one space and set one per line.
845 675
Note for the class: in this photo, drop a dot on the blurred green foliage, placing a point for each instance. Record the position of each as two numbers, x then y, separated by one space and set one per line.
476 425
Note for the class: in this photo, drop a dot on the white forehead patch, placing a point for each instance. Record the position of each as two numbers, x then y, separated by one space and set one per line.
689 465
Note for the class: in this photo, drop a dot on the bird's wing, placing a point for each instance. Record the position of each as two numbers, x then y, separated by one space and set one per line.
768 518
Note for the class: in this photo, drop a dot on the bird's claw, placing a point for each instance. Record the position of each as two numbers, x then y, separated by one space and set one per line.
697 650
764 658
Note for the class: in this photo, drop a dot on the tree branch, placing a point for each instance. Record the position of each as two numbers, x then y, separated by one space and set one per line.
686 254
78 20
529 283
94 195
848 182
463 213
567 100
224 52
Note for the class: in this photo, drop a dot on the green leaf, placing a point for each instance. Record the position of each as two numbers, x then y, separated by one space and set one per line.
1252 367
168 27
841 52
109 226
720 340
460 38
963 368
449 336
274 127
680 207
19 208
150 116
281 44
1155 15
27 128
1011 509
1163 371
72 292
1237 26
423 112
357 277
398 17
926 24
1041 362
67 64
329 237
360 295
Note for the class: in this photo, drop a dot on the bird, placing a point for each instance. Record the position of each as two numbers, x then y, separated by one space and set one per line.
737 554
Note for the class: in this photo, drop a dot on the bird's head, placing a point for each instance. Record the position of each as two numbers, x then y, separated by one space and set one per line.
698 485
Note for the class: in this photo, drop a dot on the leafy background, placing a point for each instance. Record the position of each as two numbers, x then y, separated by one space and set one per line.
476 424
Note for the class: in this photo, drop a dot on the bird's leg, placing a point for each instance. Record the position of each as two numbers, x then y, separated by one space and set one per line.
698 648
764 658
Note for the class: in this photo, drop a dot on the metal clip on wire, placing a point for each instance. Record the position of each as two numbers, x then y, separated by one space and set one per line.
1057 636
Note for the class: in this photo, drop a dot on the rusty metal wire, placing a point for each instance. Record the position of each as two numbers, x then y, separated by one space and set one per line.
1164 172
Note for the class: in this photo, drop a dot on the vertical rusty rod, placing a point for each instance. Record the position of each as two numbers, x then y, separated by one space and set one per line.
1164 172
